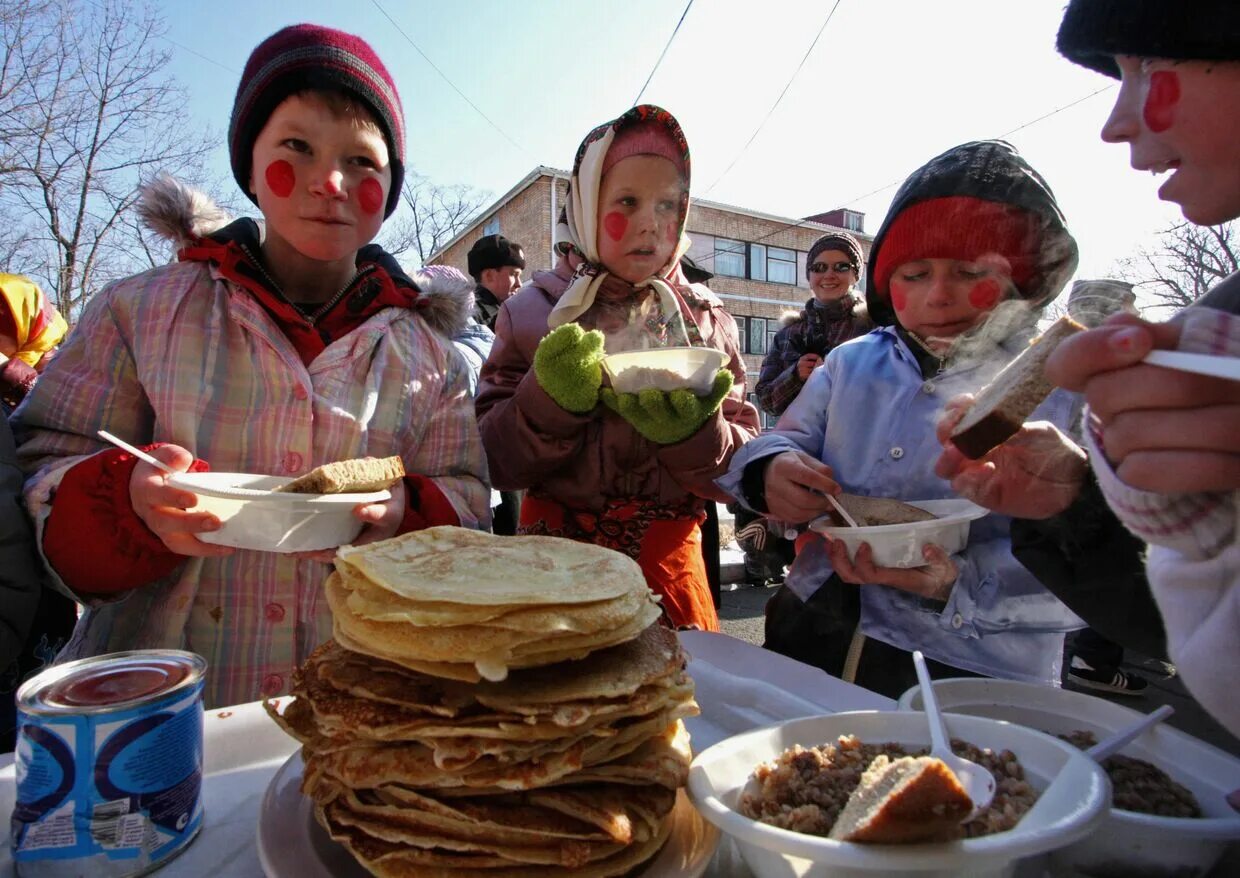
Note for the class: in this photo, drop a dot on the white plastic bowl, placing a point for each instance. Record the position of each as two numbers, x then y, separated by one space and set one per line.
900 545
255 517
665 369
1128 843
1074 796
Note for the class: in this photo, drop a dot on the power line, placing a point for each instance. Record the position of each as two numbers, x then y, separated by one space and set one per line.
675 31
886 186
778 99
445 78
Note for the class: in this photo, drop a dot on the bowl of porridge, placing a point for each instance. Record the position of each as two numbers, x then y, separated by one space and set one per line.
667 369
778 790
1169 814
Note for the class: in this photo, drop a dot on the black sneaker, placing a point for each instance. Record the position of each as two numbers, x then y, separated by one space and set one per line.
1110 679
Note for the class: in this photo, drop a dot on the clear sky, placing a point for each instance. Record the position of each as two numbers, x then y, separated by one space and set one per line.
890 84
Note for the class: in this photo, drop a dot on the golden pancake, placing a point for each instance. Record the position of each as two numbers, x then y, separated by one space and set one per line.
388 860
458 565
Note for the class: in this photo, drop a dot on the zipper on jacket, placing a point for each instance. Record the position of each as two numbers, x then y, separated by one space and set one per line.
310 319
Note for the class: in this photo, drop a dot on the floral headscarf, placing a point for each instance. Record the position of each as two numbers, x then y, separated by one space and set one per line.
28 316
578 225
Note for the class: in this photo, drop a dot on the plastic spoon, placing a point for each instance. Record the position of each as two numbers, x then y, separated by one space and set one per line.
791 533
977 781
138 453
1202 364
1119 740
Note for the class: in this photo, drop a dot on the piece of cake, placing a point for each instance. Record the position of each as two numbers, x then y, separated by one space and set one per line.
904 801
871 511
359 476
1003 405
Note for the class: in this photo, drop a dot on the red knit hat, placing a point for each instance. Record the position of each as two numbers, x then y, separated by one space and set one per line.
960 227
307 56
650 137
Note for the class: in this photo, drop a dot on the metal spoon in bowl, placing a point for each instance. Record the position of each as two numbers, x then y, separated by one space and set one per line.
1112 744
977 780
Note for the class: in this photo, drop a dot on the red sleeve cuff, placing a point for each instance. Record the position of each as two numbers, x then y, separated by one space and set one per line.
428 506
93 537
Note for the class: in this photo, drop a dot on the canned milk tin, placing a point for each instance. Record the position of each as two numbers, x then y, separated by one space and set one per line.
109 765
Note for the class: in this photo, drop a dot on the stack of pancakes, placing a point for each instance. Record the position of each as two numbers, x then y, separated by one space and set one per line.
426 755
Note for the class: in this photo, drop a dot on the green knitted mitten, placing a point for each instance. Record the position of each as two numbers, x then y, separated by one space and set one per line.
667 418
566 364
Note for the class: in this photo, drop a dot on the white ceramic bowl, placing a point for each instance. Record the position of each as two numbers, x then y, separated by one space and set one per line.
900 545
665 369
1074 795
255 517
1128 843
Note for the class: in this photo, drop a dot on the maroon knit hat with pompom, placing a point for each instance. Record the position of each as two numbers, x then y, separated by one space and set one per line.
305 57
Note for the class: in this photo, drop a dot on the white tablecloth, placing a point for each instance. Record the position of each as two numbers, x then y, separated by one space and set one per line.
739 687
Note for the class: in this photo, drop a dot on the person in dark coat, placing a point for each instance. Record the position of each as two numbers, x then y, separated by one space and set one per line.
495 263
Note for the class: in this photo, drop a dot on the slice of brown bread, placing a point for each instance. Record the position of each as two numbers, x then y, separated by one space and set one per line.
1002 406
871 511
357 476
904 801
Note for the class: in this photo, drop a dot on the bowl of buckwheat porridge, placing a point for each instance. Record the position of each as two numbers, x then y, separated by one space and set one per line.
777 792
1169 814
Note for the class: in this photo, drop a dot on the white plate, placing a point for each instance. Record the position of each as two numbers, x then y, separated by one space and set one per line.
291 844
900 545
1202 364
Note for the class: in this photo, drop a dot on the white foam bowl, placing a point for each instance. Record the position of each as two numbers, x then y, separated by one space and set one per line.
1074 795
255 517
1128 843
900 545
666 369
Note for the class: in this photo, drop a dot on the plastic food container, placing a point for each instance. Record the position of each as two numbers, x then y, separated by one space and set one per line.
1128 843
900 545
1073 801
665 369
255 517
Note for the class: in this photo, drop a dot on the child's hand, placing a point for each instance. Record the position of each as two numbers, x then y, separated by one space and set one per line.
164 508
1162 429
382 521
566 364
1035 474
796 487
667 418
934 580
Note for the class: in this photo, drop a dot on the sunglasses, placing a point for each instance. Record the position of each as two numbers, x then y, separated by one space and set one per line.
837 267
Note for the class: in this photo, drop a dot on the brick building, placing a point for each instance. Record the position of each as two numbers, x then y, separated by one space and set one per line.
758 259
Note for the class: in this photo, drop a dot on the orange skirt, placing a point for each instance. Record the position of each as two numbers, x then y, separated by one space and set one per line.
668 550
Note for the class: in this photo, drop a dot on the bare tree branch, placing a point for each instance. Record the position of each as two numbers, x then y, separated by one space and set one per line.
1187 262
432 216
87 111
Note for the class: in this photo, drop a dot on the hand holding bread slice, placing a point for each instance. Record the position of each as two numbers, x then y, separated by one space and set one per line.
1001 408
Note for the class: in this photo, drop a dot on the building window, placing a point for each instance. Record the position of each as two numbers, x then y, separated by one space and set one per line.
729 257
492 226
781 265
756 334
757 261
766 420
854 221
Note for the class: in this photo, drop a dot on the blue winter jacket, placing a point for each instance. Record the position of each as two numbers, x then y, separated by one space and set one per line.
868 413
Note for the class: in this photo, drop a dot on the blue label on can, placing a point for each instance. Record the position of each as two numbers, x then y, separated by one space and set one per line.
122 787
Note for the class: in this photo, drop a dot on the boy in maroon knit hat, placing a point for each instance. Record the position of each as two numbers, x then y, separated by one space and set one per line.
265 349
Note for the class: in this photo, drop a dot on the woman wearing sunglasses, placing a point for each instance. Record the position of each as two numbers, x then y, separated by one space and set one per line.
831 317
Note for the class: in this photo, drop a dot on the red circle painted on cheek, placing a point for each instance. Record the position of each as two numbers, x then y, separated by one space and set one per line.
899 299
370 195
985 294
615 225
280 178
1160 101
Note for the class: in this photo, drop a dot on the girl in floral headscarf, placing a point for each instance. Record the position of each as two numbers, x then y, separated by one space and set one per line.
632 473
30 328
